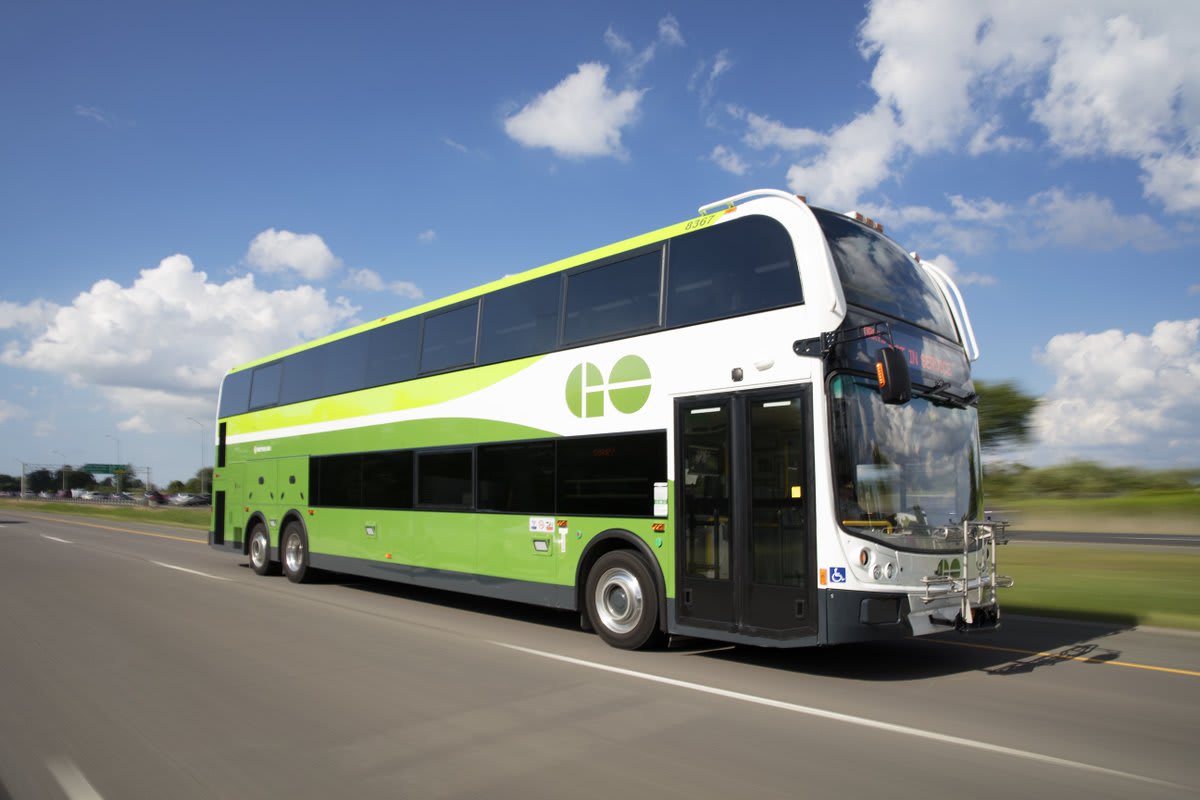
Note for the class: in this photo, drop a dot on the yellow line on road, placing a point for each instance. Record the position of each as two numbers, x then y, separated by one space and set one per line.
1066 656
125 530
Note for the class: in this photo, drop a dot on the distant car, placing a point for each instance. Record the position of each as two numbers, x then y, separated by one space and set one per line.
155 497
198 500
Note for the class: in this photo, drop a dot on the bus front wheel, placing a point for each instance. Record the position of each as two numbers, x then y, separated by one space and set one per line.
622 602
293 552
260 551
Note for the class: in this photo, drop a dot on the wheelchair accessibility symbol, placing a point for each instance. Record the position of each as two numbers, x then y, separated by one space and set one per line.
837 574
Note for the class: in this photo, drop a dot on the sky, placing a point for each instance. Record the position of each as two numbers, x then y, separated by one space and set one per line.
186 186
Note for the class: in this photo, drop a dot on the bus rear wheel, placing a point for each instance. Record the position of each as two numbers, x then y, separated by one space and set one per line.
293 552
622 602
260 551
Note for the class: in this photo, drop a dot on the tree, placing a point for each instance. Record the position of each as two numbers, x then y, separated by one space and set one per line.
1004 413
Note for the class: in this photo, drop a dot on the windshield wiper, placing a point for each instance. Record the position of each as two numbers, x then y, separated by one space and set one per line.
943 393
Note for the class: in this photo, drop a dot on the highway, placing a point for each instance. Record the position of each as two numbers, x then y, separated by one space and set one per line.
135 662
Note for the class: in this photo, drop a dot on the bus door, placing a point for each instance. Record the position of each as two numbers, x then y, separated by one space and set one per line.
745 527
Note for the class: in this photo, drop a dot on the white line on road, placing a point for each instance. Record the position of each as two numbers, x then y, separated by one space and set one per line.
73 782
839 717
190 571
56 539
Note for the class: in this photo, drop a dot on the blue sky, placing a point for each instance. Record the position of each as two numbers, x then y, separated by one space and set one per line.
184 186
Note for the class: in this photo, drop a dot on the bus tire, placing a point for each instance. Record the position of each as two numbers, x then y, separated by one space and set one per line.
622 602
259 550
293 552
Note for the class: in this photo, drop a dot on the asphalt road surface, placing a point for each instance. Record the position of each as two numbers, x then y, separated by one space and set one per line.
135 662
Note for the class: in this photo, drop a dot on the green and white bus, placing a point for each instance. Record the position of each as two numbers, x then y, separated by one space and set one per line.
754 426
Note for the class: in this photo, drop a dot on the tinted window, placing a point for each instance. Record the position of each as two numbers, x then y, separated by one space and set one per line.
264 386
392 352
388 480
444 478
734 268
302 376
235 394
877 274
517 478
611 475
336 480
345 365
520 320
616 298
449 339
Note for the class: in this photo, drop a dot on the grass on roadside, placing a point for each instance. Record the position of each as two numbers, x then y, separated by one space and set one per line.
1135 512
195 517
1121 584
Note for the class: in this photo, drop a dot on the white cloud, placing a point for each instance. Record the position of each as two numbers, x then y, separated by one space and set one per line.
856 159
1091 222
462 148
371 281
763 132
1194 288
948 265
706 84
581 117
303 253
427 236
32 316
161 345
728 160
11 411
988 139
1101 78
668 34
1124 397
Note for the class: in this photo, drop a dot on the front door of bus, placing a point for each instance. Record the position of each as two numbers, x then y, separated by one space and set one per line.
745 529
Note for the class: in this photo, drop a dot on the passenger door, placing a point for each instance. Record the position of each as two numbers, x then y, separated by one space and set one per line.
745 543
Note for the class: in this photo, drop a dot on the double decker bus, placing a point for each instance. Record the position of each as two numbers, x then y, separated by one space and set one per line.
756 426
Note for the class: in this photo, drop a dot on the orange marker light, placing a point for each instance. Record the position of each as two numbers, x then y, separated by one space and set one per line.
879 374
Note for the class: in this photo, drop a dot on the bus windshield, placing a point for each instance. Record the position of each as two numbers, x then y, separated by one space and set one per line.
904 473
878 275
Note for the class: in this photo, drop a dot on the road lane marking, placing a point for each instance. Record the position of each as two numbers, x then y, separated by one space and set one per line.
126 530
73 782
190 571
56 539
1065 656
836 716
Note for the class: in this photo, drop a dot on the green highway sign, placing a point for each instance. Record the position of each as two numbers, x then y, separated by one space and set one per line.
104 469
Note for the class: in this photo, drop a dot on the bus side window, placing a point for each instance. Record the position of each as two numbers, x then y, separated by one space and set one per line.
737 267
449 338
520 321
264 386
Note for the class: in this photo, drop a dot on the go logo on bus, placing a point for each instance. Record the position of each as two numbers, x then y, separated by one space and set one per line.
627 388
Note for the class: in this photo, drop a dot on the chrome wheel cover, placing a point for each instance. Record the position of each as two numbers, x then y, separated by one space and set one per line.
619 602
293 552
258 549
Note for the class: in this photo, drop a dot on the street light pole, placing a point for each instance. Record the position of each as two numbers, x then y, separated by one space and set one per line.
201 472
64 469
118 441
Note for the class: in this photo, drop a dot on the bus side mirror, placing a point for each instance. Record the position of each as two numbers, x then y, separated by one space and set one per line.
895 387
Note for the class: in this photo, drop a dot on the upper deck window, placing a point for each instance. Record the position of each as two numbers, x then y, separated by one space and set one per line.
519 321
878 275
264 388
738 267
616 298
449 339
235 394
